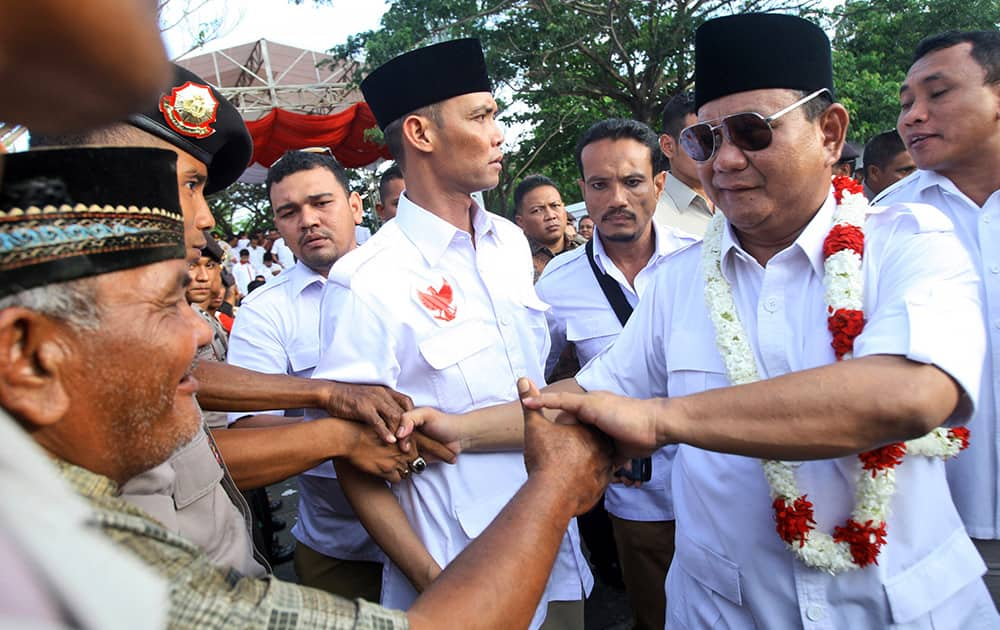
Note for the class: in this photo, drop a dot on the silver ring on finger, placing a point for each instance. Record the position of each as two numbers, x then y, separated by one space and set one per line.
418 465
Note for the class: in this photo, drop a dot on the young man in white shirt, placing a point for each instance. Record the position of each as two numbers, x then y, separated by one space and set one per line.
949 120
439 305
590 291
683 203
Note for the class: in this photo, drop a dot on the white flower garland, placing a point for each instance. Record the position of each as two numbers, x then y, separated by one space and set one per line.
843 290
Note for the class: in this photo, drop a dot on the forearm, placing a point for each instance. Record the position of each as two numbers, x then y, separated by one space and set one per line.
258 457
831 411
224 387
251 421
495 583
383 517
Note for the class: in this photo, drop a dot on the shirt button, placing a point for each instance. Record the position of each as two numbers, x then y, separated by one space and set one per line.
771 304
996 323
814 612
986 218
504 320
995 269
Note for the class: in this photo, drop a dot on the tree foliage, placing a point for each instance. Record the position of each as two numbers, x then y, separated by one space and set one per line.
561 65
241 208
873 46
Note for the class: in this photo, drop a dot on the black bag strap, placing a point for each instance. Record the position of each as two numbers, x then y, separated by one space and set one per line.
612 290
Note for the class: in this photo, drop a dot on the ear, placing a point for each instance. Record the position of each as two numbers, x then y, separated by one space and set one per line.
833 129
519 220
33 354
668 146
357 207
659 180
419 132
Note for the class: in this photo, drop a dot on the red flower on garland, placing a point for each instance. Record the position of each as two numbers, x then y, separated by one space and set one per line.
845 324
960 433
844 236
842 184
865 541
888 456
794 522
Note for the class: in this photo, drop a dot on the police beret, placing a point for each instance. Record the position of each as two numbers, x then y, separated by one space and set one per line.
72 213
425 76
195 118
754 51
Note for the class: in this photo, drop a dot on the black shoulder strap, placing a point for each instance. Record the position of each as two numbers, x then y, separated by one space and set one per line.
612 290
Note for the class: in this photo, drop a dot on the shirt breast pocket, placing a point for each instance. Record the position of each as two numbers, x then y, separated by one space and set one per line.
693 367
462 357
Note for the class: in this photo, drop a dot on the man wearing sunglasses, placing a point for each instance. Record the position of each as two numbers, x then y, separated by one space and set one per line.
765 543
949 121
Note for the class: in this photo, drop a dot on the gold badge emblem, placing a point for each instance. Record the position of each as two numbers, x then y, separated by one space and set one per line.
190 110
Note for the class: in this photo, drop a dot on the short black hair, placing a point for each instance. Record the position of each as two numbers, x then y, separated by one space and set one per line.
268 257
295 161
675 112
985 48
620 129
528 184
390 174
882 149
244 252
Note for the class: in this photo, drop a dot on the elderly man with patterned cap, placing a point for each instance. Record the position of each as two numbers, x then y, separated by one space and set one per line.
90 269
193 493
439 304
808 491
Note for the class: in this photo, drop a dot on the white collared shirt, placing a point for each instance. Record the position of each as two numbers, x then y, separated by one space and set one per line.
453 325
681 207
580 314
277 332
973 476
730 568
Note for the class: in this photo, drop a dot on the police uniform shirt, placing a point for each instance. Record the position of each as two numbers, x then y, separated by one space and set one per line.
731 569
681 207
973 477
277 332
452 325
580 314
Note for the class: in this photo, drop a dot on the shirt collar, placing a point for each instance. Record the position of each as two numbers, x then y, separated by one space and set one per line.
85 482
431 234
300 277
664 243
683 195
809 242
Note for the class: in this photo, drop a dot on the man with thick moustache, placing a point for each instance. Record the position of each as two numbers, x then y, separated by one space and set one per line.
805 491
591 293
107 273
439 305
277 332
193 492
949 120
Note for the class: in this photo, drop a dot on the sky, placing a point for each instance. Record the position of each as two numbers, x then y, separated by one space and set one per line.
305 25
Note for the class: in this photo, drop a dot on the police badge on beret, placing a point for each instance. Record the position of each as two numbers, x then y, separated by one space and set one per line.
190 110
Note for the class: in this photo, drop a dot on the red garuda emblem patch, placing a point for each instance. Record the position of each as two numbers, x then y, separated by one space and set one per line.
438 301
190 110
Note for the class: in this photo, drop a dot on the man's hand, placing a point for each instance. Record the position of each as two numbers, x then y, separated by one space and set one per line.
375 405
444 428
629 422
368 452
572 455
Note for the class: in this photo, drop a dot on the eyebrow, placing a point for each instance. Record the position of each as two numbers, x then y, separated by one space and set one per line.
482 109
937 76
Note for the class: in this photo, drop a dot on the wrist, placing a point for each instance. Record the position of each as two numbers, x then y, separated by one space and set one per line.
664 415
341 438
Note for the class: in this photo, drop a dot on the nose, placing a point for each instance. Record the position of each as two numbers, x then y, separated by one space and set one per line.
497 138
915 113
309 217
617 195
199 328
728 156
200 274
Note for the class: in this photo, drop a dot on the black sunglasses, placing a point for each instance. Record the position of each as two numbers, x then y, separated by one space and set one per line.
749 131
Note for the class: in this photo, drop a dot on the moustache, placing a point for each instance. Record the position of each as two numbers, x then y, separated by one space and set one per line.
628 214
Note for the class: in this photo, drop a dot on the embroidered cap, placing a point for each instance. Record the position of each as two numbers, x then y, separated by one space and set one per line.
425 76
195 118
72 213
754 51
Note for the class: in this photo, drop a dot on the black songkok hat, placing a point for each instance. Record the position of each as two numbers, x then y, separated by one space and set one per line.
425 76
195 118
72 213
755 51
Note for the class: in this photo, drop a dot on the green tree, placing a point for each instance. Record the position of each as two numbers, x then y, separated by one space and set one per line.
561 64
874 43
241 208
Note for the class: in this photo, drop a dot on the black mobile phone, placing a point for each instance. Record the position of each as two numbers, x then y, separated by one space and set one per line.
642 470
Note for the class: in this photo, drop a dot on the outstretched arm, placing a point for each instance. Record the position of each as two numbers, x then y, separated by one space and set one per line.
380 513
497 581
830 411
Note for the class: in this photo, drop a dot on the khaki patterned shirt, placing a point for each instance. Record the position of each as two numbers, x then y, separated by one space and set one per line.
208 597
541 255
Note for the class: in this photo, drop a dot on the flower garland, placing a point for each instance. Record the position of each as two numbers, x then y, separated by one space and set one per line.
857 542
